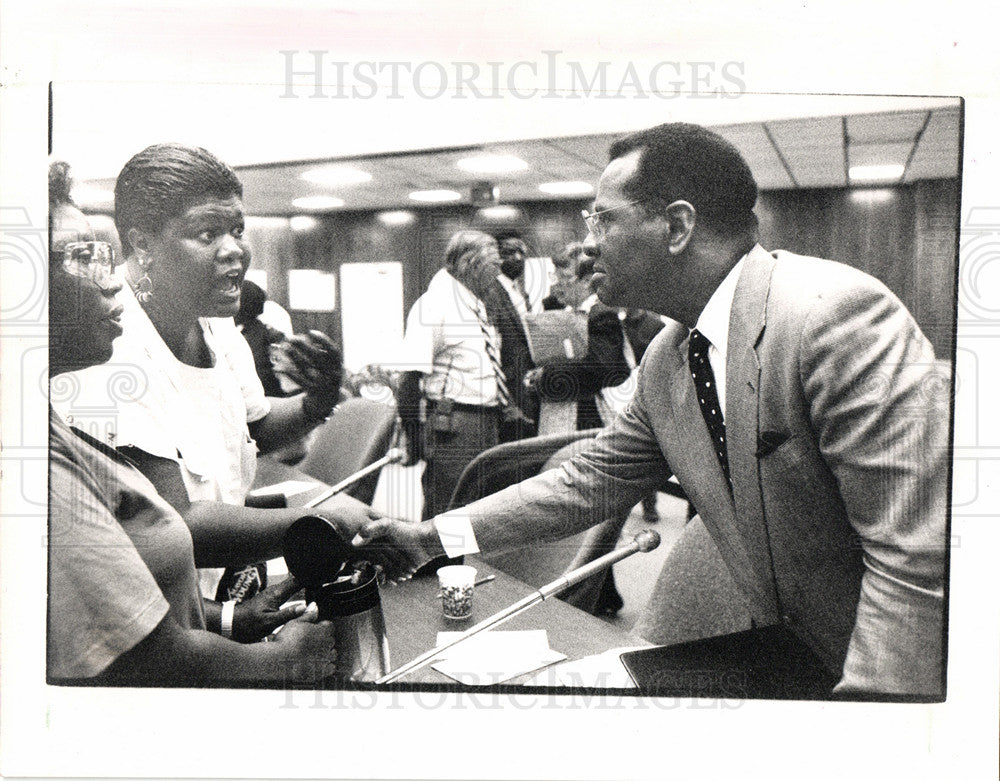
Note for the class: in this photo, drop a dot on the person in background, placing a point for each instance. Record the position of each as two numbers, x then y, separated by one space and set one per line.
276 316
604 364
513 254
788 396
454 366
188 407
564 266
124 603
259 336
507 307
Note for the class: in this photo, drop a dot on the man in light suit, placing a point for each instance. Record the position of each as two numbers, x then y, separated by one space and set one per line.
825 485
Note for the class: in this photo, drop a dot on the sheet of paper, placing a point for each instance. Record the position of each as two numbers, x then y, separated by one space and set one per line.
494 657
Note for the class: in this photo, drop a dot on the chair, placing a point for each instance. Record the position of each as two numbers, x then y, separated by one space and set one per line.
358 434
510 463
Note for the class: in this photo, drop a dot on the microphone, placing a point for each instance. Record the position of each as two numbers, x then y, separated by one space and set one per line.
643 542
395 455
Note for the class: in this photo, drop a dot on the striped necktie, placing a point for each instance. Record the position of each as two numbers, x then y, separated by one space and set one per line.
708 397
493 352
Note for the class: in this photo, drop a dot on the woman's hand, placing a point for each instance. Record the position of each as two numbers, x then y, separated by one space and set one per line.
347 514
308 648
315 364
258 617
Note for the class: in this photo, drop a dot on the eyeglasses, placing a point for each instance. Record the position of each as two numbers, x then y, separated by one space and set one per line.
593 219
86 259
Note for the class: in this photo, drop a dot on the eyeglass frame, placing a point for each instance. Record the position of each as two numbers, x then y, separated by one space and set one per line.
100 266
593 219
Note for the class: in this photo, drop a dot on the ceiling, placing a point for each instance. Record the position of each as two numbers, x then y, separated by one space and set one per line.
783 154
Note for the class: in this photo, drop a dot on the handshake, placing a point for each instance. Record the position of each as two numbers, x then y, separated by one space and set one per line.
399 547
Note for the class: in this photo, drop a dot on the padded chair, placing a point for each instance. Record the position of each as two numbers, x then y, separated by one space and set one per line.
358 434
504 465
507 464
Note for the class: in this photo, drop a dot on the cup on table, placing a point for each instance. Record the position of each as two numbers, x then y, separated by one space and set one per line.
457 584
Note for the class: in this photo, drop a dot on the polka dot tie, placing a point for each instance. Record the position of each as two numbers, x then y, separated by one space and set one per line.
708 397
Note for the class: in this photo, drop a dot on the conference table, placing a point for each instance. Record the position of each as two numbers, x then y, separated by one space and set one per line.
414 616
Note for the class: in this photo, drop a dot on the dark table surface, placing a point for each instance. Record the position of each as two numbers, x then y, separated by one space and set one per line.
413 611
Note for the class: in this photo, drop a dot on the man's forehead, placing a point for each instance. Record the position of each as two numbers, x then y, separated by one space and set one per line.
611 188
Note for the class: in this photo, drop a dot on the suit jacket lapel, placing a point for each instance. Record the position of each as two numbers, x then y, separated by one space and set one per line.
746 325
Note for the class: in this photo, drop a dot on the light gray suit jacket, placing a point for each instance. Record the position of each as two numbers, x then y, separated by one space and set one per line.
837 435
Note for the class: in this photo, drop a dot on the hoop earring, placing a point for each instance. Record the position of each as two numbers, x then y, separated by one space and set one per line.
144 289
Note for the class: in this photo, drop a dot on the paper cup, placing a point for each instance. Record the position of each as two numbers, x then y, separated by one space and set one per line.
456 590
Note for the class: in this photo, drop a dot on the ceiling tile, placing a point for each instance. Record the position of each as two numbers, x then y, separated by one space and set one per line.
936 155
878 128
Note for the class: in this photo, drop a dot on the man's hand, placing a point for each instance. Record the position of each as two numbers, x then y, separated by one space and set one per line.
261 615
402 547
315 364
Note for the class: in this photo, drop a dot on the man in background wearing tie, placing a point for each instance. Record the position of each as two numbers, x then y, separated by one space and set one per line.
789 399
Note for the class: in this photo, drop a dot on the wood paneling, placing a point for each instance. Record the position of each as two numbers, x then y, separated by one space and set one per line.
903 235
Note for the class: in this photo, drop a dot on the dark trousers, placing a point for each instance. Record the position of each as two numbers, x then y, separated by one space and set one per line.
448 449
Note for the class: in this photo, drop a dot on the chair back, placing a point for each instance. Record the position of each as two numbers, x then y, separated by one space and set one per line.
508 464
358 434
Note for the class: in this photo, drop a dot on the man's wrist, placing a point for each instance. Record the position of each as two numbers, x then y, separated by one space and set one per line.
430 540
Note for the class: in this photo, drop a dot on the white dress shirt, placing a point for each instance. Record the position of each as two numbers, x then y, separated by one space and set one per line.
713 323
445 341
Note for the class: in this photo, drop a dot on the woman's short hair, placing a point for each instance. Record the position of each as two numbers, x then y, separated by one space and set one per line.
463 250
163 181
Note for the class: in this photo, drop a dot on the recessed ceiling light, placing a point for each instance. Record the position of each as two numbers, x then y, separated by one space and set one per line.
399 217
301 222
318 202
434 196
492 164
88 195
875 173
504 212
333 175
567 188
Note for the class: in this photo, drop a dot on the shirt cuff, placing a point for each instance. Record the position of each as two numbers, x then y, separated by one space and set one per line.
455 532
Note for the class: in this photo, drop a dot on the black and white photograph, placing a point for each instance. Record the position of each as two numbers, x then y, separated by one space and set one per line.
395 382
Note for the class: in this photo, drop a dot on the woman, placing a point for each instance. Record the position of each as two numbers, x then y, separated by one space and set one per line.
186 404
124 604
447 344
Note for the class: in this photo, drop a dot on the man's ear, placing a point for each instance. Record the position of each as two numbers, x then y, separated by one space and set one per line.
680 217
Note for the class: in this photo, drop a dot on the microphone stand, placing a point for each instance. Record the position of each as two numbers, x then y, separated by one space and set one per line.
644 541
393 456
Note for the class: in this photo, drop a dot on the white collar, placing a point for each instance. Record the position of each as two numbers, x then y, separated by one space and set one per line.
714 319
